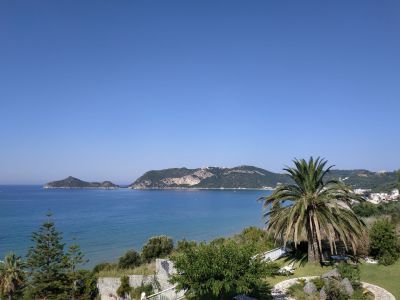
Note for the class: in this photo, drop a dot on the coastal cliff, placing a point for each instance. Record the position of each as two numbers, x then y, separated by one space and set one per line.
210 177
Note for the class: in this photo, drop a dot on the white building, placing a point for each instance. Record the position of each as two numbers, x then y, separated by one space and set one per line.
377 198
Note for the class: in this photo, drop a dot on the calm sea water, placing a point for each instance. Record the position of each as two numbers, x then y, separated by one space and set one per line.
106 223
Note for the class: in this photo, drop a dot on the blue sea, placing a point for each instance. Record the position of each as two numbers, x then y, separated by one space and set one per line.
106 223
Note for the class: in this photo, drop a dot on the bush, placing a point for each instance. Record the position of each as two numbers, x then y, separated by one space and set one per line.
183 245
384 243
257 237
86 285
272 268
365 209
220 271
157 247
319 283
136 292
124 289
297 291
352 272
334 291
387 259
102 266
130 259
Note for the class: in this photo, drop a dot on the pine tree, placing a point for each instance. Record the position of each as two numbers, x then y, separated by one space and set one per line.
75 257
48 264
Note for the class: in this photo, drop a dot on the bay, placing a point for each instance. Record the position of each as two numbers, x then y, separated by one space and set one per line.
106 223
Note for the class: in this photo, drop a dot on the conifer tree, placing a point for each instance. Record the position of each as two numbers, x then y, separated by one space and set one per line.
48 264
75 257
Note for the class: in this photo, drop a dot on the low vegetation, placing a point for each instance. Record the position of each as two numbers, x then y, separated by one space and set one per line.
112 270
383 276
387 209
220 270
157 247
50 272
384 243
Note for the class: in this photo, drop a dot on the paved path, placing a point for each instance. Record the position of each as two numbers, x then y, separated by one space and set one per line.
280 289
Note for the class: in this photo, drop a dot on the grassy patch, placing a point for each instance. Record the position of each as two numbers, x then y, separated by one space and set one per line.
383 276
307 269
146 269
387 277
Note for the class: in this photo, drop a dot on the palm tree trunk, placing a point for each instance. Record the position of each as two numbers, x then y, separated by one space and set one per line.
314 254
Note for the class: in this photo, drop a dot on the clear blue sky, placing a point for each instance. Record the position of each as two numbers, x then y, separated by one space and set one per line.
110 89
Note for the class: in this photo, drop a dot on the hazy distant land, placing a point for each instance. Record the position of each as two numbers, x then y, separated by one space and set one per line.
242 177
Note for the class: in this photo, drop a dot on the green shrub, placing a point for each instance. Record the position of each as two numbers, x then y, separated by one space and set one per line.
218 241
365 209
384 243
387 259
319 283
157 247
86 285
220 271
297 291
184 244
130 259
124 289
102 266
258 238
272 268
136 292
352 272
334 291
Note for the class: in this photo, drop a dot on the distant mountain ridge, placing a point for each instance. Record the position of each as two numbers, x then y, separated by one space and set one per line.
72 182
210 177
242 177
252 177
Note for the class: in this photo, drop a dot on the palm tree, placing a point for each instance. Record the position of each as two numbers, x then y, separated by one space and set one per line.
11 275
316 209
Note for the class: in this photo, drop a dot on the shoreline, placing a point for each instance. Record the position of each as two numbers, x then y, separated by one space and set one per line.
157 188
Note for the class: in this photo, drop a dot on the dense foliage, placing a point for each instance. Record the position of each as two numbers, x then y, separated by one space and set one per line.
384 242
124 289
220 271
319 210
48 264
130 259
367 209
75 258
52 273
157 247
143 288
351 272
259 239
12 276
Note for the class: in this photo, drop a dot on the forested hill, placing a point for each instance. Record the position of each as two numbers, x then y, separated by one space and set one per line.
72 182
210 177
253 177
376 181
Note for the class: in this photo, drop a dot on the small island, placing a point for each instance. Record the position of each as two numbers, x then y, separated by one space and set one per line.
75 183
